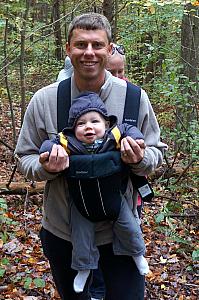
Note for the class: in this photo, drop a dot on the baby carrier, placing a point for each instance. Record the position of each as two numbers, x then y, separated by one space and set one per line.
93 178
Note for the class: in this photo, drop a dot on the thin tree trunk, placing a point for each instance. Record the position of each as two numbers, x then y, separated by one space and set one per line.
188 111
7 84
108 11
57 30
22 60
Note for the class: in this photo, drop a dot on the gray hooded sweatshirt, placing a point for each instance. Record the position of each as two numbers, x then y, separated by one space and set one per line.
40 123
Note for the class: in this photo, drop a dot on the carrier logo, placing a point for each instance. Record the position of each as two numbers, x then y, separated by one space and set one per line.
129 120
81 172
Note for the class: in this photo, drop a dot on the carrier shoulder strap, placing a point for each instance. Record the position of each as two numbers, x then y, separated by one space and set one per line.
131 109
132 104
63 103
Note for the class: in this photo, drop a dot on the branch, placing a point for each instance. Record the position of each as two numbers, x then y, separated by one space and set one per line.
177 200
21 188
7 145
184 171
182 215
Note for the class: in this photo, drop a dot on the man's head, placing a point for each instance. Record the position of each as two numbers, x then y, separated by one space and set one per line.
88 117
90 21
89 48
116 62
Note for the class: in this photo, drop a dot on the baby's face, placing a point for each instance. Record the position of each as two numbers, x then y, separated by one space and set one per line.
90 127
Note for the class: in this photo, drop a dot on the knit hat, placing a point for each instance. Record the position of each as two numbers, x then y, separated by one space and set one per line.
85 102
68 66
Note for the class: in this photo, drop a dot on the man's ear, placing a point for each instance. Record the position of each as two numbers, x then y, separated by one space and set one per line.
68 49
110 48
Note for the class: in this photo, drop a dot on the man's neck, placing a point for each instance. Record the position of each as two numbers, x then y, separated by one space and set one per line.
89 85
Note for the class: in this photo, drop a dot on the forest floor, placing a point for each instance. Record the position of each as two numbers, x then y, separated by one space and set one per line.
25 273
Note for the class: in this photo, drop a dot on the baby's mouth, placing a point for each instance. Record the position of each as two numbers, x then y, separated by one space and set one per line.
89 134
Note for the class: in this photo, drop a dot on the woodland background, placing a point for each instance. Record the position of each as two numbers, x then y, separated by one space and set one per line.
161 39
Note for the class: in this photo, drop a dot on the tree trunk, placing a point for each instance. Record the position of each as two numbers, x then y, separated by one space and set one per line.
109 12
7 84
57 30
187 111
22 60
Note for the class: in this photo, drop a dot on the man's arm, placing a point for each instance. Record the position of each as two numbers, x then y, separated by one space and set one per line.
33 133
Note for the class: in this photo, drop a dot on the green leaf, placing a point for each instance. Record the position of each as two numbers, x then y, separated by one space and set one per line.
195 254
27 282
39 282
2 272
5 261
3 204
159 217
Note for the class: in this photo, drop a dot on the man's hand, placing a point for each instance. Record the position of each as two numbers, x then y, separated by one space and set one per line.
57 161
132 150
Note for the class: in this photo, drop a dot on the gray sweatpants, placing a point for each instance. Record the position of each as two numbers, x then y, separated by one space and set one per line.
127 238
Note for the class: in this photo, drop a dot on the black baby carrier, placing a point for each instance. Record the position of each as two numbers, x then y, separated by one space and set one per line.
97 181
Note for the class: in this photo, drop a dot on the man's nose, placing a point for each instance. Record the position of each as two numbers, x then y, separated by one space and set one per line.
89 50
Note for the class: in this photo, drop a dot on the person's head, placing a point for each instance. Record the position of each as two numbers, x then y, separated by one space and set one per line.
90 21
88 117
89 47
116 62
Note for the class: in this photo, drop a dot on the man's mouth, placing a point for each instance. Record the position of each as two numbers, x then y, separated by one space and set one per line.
88 63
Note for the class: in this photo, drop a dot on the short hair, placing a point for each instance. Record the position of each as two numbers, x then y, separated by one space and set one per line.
90 21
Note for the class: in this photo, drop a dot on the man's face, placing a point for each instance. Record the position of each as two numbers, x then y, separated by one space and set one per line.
89 51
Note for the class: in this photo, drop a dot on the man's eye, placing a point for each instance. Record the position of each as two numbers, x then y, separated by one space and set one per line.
80 45
97 45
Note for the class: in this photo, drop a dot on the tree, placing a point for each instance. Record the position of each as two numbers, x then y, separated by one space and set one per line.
187 110
57 30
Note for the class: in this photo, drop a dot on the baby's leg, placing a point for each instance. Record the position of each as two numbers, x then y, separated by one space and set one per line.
128 239
80 280
85 254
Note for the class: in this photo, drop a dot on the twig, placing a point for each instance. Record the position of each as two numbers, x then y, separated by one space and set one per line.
7 145
182 215
184 171
177 200
11 177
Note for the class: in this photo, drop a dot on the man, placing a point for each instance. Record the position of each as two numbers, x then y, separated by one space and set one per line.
89 47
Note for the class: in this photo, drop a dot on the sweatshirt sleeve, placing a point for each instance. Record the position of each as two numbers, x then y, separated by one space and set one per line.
148 125
132 131
32 134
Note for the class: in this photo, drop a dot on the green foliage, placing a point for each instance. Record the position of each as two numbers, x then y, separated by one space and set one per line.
5 220
27 282
30 283
4 262
195 255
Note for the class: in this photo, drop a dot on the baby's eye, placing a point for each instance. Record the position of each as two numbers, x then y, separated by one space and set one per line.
95 121
80 123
